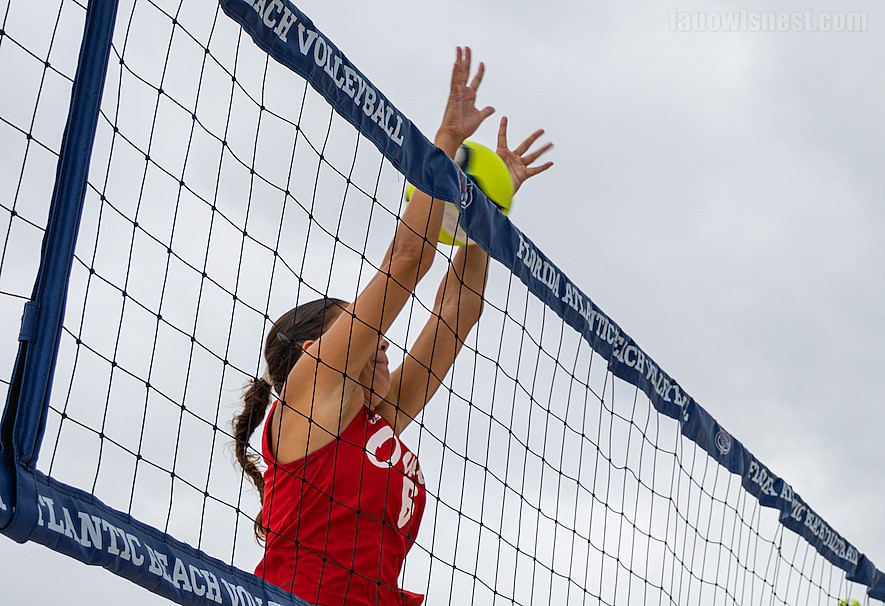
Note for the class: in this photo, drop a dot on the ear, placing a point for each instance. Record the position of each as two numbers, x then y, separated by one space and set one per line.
306 344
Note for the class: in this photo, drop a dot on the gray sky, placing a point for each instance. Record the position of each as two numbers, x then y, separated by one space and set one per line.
715 193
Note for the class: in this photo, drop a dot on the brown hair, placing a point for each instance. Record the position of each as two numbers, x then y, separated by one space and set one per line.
282 348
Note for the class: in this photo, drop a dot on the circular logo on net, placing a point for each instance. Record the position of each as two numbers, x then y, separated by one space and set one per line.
723 442
466 189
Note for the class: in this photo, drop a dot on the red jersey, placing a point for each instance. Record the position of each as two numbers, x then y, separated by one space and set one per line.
341 520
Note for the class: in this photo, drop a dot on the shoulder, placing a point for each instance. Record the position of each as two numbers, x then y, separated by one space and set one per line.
392 415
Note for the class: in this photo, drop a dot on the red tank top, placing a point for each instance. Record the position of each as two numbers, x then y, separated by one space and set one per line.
341 520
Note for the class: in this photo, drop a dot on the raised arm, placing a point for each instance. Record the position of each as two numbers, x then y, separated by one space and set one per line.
458 305
324 390
456 310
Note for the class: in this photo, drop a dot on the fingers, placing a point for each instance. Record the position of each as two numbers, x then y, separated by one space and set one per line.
461 70
534 170
519 161
459 76
462 117
530 158
529 141
474 84
502 134
462 65
523 150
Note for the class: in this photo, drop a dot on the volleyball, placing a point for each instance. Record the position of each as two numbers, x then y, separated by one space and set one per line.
488 172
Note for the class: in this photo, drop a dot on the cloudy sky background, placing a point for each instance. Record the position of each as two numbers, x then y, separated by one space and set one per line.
715 193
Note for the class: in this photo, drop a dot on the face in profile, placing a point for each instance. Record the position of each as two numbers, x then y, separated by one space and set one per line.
376 372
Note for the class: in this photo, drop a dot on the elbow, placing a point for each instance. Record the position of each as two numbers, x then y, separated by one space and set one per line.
411 260
474 309
464 313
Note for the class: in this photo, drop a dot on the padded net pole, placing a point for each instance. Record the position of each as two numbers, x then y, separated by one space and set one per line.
25 414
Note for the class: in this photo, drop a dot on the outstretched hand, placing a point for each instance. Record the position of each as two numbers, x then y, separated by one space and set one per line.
518 161
462 118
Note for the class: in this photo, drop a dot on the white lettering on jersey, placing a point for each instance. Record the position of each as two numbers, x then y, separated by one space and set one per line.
409 493
376 441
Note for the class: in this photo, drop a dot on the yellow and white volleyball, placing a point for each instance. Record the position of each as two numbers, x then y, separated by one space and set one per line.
487 170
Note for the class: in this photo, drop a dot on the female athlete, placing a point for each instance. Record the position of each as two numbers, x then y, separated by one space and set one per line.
342 496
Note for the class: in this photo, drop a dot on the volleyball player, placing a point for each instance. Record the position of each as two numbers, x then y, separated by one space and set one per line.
342 496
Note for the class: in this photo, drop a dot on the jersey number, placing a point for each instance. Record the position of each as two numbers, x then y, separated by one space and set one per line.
409 492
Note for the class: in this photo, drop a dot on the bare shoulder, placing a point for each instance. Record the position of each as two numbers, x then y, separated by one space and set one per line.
295 433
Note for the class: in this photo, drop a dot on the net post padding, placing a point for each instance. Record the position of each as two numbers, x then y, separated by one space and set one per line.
25 413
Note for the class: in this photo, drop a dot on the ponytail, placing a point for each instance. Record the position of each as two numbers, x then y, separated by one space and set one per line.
282 348
256 398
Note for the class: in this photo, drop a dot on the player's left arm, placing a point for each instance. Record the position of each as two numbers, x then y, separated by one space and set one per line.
457 308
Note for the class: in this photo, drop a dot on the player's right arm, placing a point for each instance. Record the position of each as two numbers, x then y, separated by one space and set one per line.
458 305
322 391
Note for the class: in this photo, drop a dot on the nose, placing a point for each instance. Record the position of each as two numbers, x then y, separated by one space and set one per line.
384 344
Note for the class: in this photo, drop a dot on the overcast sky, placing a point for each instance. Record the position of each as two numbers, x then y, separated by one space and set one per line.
720 195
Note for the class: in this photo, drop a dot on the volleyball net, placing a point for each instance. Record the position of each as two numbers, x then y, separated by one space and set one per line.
201 189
